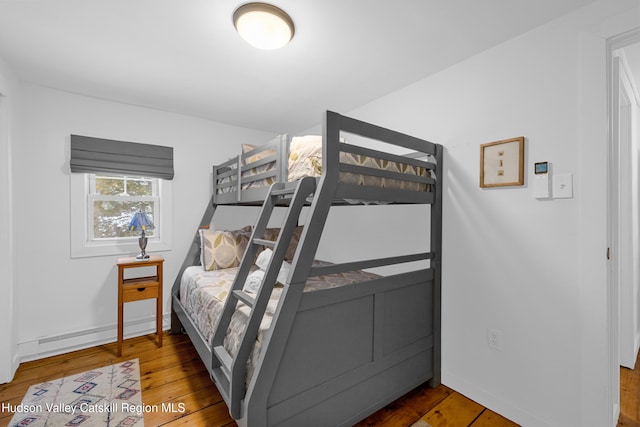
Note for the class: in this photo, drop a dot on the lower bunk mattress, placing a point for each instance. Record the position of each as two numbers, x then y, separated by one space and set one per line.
203 293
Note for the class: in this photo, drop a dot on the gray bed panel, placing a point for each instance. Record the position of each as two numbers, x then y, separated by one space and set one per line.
227 198
407 316
347 406
326 351
330 341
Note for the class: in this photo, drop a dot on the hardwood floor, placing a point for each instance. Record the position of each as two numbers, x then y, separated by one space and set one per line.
175 373
630 396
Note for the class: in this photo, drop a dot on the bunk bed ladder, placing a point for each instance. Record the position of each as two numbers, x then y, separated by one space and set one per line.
229 372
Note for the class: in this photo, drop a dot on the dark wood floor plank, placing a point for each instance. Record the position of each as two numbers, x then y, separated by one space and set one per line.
454 411
186 368
624 421
491 419
630 396
188 405
408 409
212 416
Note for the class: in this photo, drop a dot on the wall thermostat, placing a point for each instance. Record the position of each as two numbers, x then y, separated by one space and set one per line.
541 167
541 180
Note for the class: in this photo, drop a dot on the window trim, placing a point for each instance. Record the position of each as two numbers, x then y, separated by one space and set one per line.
82 247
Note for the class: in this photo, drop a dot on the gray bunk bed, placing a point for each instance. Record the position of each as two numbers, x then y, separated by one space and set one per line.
328 355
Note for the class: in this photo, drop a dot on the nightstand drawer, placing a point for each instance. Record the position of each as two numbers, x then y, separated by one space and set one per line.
139 291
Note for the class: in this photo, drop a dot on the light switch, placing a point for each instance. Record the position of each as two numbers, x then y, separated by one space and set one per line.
563 186
541 186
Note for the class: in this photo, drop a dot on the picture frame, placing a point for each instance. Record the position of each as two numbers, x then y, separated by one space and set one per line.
502 163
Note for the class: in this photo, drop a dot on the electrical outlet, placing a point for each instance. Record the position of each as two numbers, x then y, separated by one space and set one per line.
494 339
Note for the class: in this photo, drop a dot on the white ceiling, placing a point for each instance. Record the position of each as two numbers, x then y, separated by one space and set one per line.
185 56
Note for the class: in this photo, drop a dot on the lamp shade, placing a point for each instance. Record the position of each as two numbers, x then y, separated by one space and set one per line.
140 221
263 25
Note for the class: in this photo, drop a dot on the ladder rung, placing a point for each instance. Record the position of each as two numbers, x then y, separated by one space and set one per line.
263 242
283 192
245 298
223 356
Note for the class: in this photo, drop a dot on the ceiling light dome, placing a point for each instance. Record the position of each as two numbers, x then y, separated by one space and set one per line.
263 25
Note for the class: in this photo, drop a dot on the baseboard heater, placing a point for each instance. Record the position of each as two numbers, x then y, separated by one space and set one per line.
65 343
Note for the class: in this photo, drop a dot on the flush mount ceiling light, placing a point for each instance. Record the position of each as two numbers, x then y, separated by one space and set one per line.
263 25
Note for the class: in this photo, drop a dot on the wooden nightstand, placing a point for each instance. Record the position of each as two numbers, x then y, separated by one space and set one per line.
139 288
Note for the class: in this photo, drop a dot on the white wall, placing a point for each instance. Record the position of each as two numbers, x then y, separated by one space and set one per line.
8 137
535 270
76 299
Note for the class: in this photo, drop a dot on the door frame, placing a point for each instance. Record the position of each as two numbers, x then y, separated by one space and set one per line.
628 105
615 226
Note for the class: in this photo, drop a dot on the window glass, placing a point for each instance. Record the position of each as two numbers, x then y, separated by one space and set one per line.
112 202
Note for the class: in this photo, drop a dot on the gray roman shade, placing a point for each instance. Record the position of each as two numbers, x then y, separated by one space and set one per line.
97 155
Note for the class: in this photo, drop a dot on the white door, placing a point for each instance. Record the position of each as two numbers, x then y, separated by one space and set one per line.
627 182
622 201
613 234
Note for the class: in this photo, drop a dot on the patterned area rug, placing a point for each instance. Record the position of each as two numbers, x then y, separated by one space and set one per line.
104 397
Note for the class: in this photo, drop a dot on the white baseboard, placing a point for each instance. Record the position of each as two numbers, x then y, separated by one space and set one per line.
65 343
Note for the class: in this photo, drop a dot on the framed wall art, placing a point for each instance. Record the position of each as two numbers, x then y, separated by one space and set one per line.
502 163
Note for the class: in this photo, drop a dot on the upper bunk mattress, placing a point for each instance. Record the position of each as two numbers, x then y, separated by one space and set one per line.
203 293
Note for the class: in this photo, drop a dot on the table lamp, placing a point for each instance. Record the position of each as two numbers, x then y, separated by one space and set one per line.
140 221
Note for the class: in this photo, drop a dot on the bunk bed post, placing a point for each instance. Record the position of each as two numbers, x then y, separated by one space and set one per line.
214 197
436 265
192 258
285 141
239 179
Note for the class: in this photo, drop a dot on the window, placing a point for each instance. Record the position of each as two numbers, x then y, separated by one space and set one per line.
101 209
113 200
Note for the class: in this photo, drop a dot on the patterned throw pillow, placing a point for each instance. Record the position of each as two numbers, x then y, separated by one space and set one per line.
305 157
223 249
